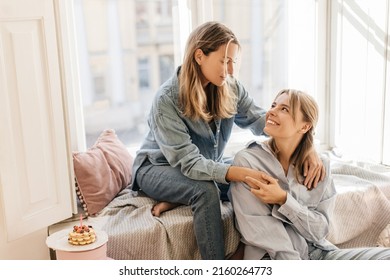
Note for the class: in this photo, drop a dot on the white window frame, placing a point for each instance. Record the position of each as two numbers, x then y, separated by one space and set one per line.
71 76
386 125
334 42
72 90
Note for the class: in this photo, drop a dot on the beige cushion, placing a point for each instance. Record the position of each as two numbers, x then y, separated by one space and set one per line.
102 171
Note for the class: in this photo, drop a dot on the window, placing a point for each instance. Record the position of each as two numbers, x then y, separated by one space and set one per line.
359 79
336 50
125 48
133 46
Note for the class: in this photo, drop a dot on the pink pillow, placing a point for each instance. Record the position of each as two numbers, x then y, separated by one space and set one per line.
102 171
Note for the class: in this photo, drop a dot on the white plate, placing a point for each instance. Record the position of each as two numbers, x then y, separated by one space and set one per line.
59 241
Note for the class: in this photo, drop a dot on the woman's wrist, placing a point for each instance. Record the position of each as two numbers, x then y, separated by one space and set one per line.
236 174
283 198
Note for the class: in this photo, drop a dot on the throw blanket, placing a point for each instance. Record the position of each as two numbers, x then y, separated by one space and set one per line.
134 233
362 209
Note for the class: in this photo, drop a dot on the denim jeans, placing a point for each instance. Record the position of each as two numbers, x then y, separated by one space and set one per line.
165 183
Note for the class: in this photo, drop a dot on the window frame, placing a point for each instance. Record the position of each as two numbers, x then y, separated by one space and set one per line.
335 41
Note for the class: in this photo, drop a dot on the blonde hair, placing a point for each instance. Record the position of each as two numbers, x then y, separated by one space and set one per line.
308 106
214 101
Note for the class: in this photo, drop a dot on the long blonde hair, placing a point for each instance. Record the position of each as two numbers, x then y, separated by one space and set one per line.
308 106
214 101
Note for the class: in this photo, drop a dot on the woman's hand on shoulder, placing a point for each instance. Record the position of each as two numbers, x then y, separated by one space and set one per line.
313 170
239 173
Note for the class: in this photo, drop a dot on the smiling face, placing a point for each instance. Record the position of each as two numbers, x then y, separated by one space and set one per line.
216 66
280 123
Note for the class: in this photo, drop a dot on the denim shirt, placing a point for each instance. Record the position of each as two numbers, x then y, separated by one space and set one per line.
299 226
178 141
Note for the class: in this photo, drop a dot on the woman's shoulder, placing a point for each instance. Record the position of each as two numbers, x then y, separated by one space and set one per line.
236 86
170 87
168 92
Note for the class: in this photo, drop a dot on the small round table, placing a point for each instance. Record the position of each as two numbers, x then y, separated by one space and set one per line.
58 241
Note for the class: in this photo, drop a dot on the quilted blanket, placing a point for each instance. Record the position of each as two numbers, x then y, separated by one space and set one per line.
362 213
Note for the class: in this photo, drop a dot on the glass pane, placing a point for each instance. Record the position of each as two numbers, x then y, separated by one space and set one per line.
125 52
359 84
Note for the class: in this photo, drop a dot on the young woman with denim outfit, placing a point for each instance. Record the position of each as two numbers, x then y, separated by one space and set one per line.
277 216
190 121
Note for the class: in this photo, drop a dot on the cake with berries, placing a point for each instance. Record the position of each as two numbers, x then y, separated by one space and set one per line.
82 235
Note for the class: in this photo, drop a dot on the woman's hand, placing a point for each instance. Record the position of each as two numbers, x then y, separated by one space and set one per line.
267 189
313 170
238 174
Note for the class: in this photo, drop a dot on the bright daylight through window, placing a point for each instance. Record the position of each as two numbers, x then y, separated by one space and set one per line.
127 49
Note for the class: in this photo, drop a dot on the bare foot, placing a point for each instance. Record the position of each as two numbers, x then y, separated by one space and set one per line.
163 206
